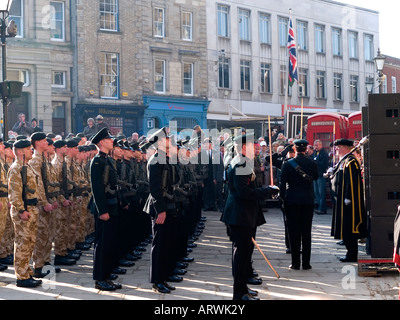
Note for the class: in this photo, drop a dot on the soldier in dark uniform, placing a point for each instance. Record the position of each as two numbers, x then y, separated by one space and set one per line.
103 178
160 205
296 191
243 214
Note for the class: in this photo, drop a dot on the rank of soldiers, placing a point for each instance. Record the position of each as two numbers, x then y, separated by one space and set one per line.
52 209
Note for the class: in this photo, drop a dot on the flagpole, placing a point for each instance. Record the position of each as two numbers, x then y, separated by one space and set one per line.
285 113
271 171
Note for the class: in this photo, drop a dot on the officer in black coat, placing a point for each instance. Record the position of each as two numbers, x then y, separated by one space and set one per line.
243 213
103 179
161 206
297 193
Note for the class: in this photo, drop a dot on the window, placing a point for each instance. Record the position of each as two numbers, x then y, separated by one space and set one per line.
17 14
244 24
223 20
159 76
19 75
109 15
109 75
265 78
57 26
302 35
58 110
265 28
353 47
337 87
58 79
319 38
188 78
303 82
223 73
368 47
353 88
159 23
245 83
394 85
283 31
321 92
336 42
187 25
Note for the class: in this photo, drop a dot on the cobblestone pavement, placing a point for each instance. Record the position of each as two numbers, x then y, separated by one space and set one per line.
209 276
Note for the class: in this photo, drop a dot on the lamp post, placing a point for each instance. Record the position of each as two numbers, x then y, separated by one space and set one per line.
379 64
6 31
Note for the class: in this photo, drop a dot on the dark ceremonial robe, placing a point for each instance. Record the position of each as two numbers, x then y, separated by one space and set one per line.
348 221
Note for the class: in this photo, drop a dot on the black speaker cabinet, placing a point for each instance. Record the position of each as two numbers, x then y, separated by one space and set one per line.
384 154
384 195
364 120
384 113
381 237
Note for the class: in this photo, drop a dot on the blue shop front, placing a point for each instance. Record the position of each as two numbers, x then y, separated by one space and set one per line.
124 119
187 113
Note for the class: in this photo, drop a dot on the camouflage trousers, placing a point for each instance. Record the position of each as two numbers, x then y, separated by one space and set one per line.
7 242
24 241
73 222
82 225
61 232
3 215
44 238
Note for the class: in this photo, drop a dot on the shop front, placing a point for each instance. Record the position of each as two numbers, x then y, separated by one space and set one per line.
120 119
177 113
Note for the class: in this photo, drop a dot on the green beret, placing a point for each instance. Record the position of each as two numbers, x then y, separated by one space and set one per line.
344 142
7 144
37 136
80 135
50 135
20 137
50 141
22 143
72 143
59 143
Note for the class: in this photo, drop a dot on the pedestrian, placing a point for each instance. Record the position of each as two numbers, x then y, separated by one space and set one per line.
24 212
90 130
349 219
100 123
103 180
321 157
296 191
161 206
35 125
22 126
209 199
243 214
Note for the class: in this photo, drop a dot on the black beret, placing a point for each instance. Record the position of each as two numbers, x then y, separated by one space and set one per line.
50 135
82 148
60 143
102 134
301 143
36 136
50 141
22 143
344 142
72 143
11 143
135 146
80 135
7 144
20 137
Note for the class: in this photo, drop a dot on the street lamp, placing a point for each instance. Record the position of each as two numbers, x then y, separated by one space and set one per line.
369 84
8 89
379 64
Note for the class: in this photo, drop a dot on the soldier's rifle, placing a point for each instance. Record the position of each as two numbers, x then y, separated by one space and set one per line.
25 188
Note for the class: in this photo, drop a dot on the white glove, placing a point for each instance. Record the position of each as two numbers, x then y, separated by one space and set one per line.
347 202
330 171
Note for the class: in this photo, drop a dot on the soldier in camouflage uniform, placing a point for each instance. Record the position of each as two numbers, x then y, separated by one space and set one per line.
39 167
3 199
60 239
7 241
24 212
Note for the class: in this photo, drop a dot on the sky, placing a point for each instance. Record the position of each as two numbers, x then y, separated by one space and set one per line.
388 16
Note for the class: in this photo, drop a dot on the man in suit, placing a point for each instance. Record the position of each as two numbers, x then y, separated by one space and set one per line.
218 173
296 191
321 157
243 214
209 198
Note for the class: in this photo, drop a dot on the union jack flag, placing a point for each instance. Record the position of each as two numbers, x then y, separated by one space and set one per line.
292 55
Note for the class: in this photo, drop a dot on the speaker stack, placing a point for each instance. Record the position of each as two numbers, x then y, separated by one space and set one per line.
381 121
